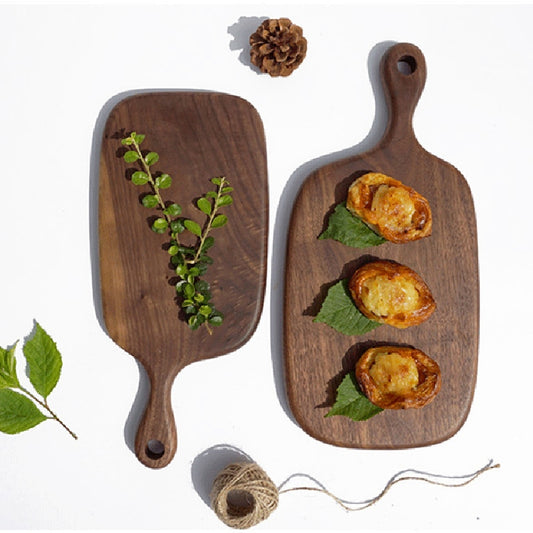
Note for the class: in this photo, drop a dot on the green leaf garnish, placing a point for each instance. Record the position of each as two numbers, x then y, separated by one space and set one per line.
350 230
17 412
351 401
8 368
44 361
189 262
19 407
340 312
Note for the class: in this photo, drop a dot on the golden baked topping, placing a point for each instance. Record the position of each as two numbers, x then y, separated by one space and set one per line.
391 293
393 372
398 377
394 210
385 296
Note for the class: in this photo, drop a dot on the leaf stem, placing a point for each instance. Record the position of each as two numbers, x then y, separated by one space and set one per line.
155 188
44 404
209 222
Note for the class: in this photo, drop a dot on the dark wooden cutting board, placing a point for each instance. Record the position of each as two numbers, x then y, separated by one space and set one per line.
198 136
318 357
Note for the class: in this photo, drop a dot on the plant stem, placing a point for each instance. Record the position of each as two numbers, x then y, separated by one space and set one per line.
209 222
155 188
45 406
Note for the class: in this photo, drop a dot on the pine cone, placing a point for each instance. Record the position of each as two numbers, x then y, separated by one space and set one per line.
278 47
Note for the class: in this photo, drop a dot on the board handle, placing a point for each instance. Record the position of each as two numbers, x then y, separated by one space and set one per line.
156 439
403 74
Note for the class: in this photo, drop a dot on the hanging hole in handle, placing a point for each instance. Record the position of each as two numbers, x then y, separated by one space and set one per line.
406 65
155 449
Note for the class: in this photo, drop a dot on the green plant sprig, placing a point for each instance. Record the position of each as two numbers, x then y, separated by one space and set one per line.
19 412
189 262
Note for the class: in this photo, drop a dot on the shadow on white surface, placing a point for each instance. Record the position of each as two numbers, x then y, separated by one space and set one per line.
209 463
241 31
284 211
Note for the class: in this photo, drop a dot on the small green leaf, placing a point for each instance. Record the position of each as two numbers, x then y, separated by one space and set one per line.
188 290
193 227
350 230
173 250
340 312
224 200
204 205
216 318
211 194
216 181
209 241
8 368
127 141
160 225
17 412
177 226
44 361
139 138
150 201
205 310
351 401
139 178
226 190
173 210
180 285
151 158
219 221
194 271
131 156
163 182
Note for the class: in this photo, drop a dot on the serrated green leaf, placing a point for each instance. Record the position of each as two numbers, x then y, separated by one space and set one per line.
351 401
193 227
204 205
8 368
139 178
151 158
173 210
340 312
17 412
219 221
150 201
350 230
131 156
163 182
44 361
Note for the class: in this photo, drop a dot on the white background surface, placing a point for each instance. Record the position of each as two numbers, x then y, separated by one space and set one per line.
59 66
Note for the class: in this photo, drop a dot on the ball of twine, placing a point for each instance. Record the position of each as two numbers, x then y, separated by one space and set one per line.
243 495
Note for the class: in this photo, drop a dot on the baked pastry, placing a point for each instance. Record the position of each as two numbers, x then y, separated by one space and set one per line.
390 293
398 377
394 210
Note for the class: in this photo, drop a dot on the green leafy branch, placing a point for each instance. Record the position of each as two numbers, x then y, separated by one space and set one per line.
19 411
190 262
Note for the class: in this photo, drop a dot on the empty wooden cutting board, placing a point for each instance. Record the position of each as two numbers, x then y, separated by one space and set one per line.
198 136
316 356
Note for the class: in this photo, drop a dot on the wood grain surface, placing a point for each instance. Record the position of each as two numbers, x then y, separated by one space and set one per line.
316 357
198 136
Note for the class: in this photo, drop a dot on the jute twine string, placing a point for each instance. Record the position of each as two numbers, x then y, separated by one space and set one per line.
243 495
